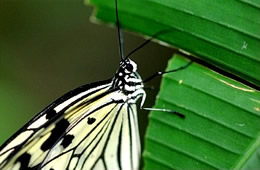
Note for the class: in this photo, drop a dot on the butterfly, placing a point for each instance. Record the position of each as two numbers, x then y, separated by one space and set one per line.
94 126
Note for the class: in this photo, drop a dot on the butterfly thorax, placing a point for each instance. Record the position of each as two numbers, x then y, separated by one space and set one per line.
129 81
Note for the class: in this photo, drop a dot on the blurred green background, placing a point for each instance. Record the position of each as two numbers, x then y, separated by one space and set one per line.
50 47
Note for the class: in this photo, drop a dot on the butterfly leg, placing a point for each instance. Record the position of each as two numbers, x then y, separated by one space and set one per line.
159 73
164 110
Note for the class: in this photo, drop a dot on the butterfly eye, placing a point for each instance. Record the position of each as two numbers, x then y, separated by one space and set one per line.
129 67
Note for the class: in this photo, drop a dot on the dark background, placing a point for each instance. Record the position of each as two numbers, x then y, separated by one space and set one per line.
50 47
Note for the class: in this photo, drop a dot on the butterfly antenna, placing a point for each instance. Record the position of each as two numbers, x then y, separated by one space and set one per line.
120 34
147 41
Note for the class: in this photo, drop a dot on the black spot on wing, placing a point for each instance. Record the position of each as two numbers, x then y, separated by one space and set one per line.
50 114
91 120
59 130
24 160
67 140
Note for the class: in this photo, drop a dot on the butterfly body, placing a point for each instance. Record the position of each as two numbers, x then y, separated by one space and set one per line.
92 127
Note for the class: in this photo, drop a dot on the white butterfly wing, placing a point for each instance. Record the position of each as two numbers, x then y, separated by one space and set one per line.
91 124
110 142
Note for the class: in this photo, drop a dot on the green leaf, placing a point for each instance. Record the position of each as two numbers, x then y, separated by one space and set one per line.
225 33
222 125
253 162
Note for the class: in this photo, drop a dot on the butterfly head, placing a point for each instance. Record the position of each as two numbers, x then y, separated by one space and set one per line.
127 79
127 67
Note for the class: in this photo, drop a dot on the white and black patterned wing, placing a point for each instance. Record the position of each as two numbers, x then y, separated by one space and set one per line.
106 139
44 129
